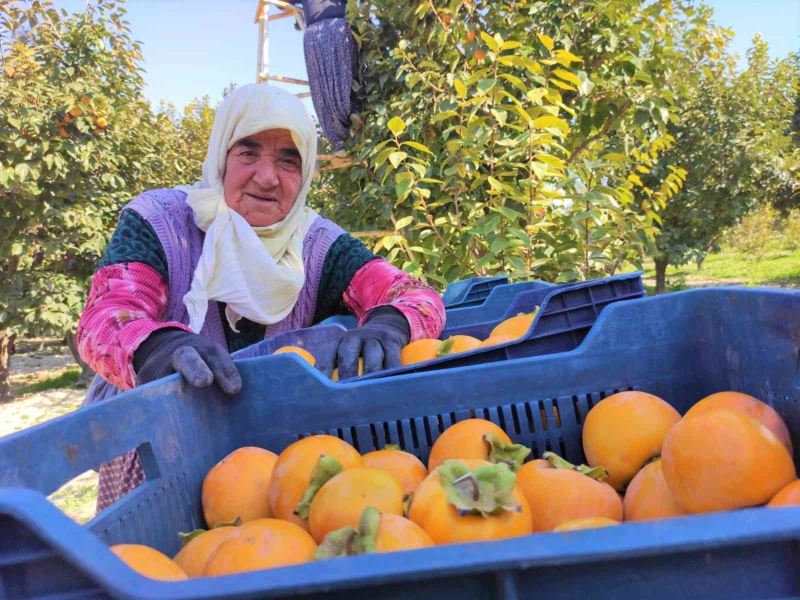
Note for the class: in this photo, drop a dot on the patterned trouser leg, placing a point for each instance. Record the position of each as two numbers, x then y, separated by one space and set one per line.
331 54
118 477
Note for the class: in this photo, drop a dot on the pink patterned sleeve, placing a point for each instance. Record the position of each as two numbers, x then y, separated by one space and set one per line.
379 283
126 302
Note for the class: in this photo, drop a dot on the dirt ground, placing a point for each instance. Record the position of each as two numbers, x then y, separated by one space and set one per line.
76 498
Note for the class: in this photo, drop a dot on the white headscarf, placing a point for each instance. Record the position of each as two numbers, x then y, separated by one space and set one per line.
257 271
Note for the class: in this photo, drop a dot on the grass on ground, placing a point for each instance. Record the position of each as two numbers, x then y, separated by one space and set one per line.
49 380
776 269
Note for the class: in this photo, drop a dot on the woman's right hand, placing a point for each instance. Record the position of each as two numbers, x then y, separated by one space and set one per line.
199 360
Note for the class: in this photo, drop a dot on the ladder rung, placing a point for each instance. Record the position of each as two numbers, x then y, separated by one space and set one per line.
287 79
281 15
264 5
304 95
331 161
284 5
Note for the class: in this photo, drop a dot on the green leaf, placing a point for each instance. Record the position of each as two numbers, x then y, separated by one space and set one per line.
397 157
484 491
349 541
615 157
597 473
510 45
461 89
565 57
495 184
396 125
418 146
500 115
447 114
490 41
509 213
500 451
22 170
535 95
484 85
562 85
187 536
403 184
546 41
404 222
550 121
567 76
327 467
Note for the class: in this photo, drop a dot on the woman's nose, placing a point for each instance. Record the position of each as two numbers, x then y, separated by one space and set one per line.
267 173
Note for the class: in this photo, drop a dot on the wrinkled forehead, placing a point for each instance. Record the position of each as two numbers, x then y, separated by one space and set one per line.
276 140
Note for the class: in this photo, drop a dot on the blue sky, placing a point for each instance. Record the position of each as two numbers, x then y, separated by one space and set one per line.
196 47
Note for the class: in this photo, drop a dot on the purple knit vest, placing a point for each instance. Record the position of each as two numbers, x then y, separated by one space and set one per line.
171 218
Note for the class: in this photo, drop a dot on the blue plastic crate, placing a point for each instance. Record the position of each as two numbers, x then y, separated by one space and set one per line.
496 303
312 339
566 315
492 306
680 346
567 312
471 292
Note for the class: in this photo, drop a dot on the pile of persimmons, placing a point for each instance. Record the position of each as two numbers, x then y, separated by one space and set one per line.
320 499
426 349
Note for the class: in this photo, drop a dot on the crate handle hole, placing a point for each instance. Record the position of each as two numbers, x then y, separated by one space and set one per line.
128 472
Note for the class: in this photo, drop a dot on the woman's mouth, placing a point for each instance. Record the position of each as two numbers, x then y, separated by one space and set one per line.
261 198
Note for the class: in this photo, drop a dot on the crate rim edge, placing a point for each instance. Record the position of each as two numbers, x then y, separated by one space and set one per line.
547 549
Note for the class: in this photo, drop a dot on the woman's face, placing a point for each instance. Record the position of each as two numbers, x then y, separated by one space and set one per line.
262 177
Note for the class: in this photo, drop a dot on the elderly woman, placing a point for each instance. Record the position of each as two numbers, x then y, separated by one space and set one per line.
193 273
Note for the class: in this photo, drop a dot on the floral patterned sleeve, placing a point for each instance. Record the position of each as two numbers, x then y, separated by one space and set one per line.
126 302
379 283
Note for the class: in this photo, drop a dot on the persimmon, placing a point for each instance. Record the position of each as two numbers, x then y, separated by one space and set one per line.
335 372
648 496
557 491
476 438
470 500
456 344
586 523
724 459
262 544
516 327
342 499
375 533
237 487
420 351
787 496
149 562
406 467
194 555
752 407
302 352
624 431
497 340
292 475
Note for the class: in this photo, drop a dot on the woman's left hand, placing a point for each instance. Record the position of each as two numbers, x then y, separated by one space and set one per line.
379 341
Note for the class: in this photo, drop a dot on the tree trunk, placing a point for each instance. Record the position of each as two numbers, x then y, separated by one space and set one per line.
661 274
86 371
6 352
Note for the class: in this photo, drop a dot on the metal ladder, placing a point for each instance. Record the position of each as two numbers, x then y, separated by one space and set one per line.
263 18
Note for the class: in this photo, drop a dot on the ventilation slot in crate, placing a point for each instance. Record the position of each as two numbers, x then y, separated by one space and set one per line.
549 425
